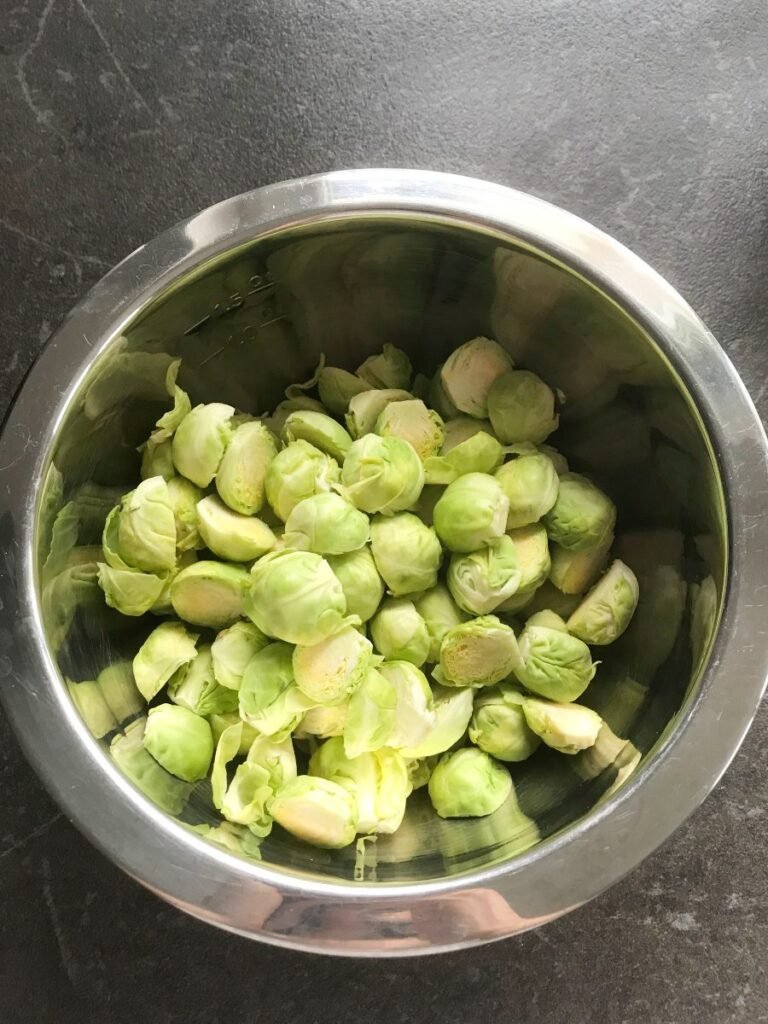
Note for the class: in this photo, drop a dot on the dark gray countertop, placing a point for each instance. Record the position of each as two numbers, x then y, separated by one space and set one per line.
648 118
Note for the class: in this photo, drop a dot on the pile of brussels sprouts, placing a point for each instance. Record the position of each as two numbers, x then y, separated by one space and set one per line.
397 575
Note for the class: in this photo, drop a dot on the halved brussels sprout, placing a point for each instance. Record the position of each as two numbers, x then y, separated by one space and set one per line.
532 550
406 552
180 741
399 633
297 472
471 513
521 408
568 728
365 409
480 652
319 430
169 646
330 671
184 497
231 535
281 412
484 580
338 387
295 597
210 594
363 587
390 368
468 784
469 372
231 651
573 572
242 472
440 613
194 687
413 422
128 590
326 524
583 516
530 483
320 812
499 726
382 474
146 529
270 700
606 611
555 664
201 440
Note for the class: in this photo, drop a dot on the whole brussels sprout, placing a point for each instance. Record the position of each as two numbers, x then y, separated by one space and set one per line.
327 525
484 580
468 784
210 594
531 485
146 528
363 587
330 671
382 474
471 513
297 472
583 516
319 430
468 374
169 646
242 472
568 728
200 442
231 535
480 652
320 812
413 422
521 408
555 664
180 741
406 552
440 613
391 368
607 609
365 409
399 633
499 727
231 651
338 387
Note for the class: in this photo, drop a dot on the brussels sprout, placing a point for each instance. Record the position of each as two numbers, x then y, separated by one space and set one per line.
162 605
365 409
118 687
244 800
532 550
548 598
319 430
327 525
499 726
399 632
521 408
378 781
338 387
414 715
370 718
478 454
452 710
323 722
480 652
413 422
438 399
363 587
180 741
281 412
468 784
406 552
555 664
242 472
568 728
471 513
329 671
157 460
164 789
146 530
166 649
558 460
297 472
270 700
607 609
574 571
201 440
391 368
531 485
231 651
583 517
210 594
547 618
468 374
194 687
382 474
128 590
440 613
295 597
231 535
184 497
484 580
320 812
92 708
220 722
462 428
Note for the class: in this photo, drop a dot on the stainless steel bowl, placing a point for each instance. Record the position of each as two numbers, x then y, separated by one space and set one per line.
249 292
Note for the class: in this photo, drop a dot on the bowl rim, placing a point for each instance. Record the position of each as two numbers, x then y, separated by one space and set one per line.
290 908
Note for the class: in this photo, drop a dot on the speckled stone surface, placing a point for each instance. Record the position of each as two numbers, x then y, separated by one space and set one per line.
648 118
